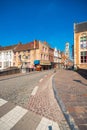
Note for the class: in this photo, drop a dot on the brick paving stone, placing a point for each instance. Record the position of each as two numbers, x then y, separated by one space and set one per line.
45 104
72 89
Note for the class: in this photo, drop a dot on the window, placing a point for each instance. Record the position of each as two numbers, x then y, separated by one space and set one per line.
47 57
19 57
83 41
44 57
28 51
83 57
6 64
14 57
14 64
28 56
0 64
41 56
14 53
43 48
0 55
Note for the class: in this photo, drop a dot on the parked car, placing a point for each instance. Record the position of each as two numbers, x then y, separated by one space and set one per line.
38 68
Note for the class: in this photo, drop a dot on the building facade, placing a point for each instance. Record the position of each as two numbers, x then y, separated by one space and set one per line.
25 54
59 59
6 57
42 56
29 56
32 55
55 58
51 57
64 60
80 45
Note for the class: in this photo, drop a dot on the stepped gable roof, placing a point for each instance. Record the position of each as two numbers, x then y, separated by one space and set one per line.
24 47
7 48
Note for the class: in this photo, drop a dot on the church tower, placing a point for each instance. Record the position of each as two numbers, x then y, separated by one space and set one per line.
67 51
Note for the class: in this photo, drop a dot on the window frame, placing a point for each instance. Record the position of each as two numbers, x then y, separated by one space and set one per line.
83 57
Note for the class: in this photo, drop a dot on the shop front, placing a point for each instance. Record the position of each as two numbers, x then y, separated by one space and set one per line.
37 65
45 64
42 64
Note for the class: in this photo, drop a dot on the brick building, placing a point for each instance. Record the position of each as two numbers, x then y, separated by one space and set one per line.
80 45
42 56
25 54
51 57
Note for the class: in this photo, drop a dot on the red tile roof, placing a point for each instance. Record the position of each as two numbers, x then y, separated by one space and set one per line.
27 46
24 47
7 48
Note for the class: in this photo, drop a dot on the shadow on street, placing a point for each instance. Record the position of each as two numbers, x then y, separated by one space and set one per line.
79 81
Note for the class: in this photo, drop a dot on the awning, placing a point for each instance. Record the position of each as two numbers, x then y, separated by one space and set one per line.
36 62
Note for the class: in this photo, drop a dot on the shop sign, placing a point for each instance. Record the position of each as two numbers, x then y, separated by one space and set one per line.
45 63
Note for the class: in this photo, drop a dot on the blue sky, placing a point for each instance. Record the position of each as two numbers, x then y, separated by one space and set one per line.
49 20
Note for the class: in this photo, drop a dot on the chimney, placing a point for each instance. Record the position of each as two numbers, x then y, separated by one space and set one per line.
45 43
35 43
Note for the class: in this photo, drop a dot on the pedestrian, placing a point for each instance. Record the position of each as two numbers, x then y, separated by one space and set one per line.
54 70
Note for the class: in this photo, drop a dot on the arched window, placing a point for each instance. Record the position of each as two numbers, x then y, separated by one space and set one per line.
83 56
83 41
83 47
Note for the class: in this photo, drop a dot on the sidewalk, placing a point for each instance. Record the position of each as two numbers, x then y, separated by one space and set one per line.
71 93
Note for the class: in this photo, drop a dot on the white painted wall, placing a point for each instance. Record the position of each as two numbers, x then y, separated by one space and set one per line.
6 59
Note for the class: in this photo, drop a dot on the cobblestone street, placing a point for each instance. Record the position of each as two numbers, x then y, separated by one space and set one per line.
72 90
45 104
35 98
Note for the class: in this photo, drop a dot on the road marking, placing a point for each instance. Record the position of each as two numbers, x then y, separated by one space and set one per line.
2 101
40 80
12 117
46 124
34 91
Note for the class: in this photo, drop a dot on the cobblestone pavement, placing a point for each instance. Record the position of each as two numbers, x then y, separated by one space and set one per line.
72 90
17 89
45 104
42 111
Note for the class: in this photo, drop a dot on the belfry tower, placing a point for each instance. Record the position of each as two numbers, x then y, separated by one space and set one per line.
67 51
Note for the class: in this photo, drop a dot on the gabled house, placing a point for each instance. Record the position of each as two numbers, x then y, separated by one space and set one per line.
6 57
24 55
42 56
